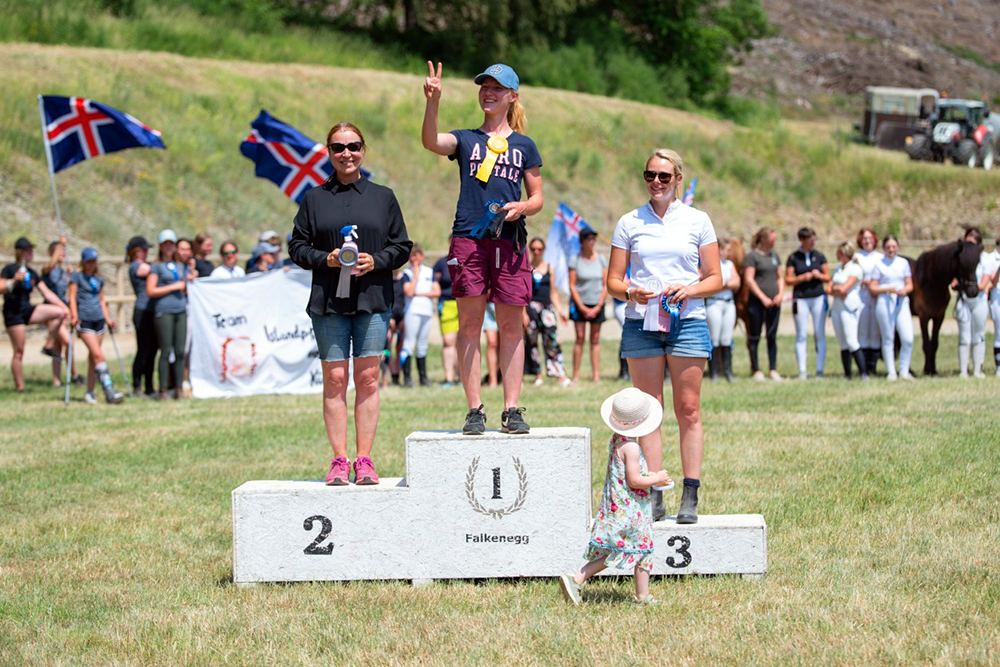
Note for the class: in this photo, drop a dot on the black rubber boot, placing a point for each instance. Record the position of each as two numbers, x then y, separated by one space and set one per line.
422 371
713 364
407 365
688 512
727 362
859 359
996 358
845 359
659 511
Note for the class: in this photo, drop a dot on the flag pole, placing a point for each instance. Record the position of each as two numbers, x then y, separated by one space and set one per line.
48 156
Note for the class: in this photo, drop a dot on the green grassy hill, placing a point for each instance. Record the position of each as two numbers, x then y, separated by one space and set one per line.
783 175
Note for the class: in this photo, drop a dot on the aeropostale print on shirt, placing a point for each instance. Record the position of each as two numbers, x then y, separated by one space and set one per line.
505 181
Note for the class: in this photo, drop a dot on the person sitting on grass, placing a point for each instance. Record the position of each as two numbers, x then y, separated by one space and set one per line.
622 536
89 314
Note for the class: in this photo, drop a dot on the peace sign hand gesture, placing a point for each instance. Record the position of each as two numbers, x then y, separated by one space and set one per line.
432 84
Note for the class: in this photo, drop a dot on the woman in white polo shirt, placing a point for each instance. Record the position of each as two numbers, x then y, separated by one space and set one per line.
672 254
891 284
971 314
994 301
845 289
868 336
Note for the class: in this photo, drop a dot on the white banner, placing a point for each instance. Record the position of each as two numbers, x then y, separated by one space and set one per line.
253 336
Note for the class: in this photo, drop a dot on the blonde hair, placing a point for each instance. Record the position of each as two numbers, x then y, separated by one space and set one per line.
670 156
516 117
848 249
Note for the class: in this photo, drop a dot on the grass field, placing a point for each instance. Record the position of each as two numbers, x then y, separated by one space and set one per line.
881 502
779 174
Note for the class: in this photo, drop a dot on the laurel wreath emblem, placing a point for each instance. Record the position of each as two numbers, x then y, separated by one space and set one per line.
522 490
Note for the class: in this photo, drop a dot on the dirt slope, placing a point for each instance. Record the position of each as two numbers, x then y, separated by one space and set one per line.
840 47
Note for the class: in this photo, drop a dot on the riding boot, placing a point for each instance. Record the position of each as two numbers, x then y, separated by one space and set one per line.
622 366
845 359
422 370
859 359
659 511
713 364
727 362
688 512
874 355
996 359
407 365
978 356
963 361
104 376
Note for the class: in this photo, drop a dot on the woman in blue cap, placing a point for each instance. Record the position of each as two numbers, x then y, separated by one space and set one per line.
90 316
486 258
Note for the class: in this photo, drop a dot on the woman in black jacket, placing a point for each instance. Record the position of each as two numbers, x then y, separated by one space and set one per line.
350 302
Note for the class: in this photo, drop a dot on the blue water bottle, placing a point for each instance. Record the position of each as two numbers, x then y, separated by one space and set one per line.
27 277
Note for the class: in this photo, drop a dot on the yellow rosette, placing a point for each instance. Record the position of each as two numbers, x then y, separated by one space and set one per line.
495 147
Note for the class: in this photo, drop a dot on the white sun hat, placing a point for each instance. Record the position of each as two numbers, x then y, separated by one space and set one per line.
632 413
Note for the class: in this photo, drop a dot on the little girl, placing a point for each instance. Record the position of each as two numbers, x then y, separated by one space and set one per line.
89 313
622 536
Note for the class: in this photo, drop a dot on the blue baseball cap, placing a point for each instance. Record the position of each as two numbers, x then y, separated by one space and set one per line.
88 254
504 75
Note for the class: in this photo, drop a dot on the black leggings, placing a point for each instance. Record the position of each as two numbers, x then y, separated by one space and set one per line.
759 316
171 333
145 349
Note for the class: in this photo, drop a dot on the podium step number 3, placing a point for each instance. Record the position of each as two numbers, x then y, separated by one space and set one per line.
468 508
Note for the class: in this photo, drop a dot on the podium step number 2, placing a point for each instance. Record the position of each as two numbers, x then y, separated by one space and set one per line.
468 508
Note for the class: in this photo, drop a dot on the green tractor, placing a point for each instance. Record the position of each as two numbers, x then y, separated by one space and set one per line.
962 131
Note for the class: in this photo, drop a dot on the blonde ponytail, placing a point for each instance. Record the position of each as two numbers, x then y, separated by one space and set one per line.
516 117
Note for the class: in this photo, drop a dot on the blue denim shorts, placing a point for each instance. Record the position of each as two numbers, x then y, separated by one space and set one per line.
689 339
336 333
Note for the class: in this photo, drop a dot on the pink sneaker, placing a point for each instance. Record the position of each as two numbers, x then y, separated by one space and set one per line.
339 470
364 471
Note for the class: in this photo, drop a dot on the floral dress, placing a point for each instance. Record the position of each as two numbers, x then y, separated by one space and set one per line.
623 530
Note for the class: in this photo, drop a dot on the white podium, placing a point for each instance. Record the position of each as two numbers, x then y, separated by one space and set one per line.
495 505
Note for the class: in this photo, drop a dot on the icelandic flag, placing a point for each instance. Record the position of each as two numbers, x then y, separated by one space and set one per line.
563 243
286 157
77 129
689 193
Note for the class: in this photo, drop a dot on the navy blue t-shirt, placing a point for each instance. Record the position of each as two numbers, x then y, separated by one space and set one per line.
504 184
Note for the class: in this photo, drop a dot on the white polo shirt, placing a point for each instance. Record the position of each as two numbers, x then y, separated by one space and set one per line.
420 305
992 266
891 272
666 249
852 300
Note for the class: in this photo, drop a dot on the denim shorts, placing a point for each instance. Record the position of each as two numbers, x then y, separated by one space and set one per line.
336 333
689 339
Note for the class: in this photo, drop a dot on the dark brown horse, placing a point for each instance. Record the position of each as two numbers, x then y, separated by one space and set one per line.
933 273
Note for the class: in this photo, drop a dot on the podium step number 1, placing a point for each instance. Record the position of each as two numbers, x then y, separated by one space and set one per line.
468 508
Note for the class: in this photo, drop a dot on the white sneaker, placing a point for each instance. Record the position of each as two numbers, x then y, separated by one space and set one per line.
803 376
90 398
907 376
759 376
776 376
891 377
565 382
538 382
979 374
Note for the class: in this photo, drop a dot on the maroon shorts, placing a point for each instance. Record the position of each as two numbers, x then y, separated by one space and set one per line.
478 266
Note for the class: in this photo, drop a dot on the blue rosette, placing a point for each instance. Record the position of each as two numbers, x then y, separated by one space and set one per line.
672 309
492 220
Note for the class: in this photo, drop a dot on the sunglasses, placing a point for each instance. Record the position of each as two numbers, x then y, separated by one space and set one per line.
651 176
228 253
337 148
